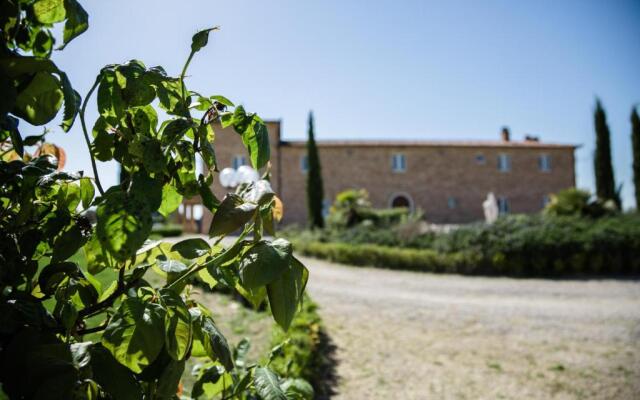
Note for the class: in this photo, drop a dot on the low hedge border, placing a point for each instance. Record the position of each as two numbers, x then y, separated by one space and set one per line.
389 257
473 262
307 351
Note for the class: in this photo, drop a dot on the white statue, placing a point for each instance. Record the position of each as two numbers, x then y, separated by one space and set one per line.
490 206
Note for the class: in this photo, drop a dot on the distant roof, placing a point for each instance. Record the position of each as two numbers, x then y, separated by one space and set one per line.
430 143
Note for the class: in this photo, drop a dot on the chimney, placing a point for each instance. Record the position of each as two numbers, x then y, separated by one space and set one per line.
505 134
531 138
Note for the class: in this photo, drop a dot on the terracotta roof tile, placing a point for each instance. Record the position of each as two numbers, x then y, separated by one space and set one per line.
429 143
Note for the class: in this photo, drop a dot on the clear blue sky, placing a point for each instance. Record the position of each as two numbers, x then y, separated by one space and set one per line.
388 69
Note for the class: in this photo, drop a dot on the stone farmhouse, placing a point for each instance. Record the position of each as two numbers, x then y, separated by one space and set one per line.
447 180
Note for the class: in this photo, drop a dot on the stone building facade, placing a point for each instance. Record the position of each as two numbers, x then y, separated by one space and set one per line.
448 181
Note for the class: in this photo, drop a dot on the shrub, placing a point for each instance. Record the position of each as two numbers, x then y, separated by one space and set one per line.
301 354
517 245
167 230
576 202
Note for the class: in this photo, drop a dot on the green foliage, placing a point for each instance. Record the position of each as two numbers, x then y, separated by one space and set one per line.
516 245
635 143
101 329
578 202
605 182
315 189
352 207
303 351
166 230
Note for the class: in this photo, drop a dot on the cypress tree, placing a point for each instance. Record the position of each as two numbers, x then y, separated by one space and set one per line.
315 191
605 183
635 142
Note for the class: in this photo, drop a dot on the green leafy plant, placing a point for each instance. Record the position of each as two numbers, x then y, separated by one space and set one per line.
79 317
579 202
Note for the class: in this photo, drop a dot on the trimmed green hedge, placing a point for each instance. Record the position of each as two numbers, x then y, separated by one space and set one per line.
390 257
516 246
166 230
304 354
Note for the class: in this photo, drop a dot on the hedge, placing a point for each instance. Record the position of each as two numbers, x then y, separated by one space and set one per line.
303 348
390 257
166 230
514 246
305 353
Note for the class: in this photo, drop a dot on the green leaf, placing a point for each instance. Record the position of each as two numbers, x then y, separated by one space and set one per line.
8 98
135 334
16 142
297 389
206 148
171 200
192 248
124 223
77 21
175 130
53 274
33 140
153 159
231 215
68 315
264 262
206 277
96 255
102 146
69 241
171 266
68 196
87 192
256 139
223 100
214 342
71 103
148 188
259 192
212 380
177 325
285 293
209 200
40 101
200 39
49 11
267 385
169 380
112 376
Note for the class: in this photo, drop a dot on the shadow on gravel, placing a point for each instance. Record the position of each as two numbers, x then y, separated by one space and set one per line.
325 381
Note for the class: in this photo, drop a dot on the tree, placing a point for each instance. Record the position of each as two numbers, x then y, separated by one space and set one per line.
635 142
605 182
315 190
79 318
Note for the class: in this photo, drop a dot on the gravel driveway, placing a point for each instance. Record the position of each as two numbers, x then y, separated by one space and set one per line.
405 335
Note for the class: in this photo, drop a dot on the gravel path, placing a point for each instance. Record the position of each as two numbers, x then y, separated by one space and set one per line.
405 335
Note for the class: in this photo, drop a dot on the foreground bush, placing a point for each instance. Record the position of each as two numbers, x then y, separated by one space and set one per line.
516 245
100 329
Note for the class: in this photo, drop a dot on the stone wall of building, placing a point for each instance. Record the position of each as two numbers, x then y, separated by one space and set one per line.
447 181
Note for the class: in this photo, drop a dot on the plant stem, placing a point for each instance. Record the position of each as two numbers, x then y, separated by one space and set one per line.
121 288
86 135
221 258
184 72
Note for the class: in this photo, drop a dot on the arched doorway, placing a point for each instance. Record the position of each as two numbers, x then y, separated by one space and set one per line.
401 200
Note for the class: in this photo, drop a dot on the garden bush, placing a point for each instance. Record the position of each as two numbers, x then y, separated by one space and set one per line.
517 245
100 329
166 230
